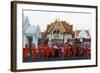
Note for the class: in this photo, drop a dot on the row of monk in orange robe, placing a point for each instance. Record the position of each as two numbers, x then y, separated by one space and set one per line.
46 51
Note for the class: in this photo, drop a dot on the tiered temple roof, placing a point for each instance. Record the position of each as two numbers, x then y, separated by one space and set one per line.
64 27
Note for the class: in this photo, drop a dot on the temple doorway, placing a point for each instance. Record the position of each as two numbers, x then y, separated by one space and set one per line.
30 39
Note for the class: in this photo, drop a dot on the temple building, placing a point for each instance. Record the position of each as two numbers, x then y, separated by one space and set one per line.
82 34
59 31
30 33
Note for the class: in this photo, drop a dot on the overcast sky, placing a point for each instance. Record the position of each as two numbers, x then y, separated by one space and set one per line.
43 18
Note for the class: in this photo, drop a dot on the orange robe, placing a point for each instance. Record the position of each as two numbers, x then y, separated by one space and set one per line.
47 51
65 51
60 52
68 51
44 51
74 50
40 50
80 51
52 52
34 53
25 53
87 51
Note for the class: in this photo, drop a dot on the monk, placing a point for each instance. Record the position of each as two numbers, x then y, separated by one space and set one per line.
52 50
26 52
46 51
34 53
65 50
87 52
59 50
69 51
40 50
74 50
80 51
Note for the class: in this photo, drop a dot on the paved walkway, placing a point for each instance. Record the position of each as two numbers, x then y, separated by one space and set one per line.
42 59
